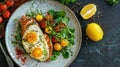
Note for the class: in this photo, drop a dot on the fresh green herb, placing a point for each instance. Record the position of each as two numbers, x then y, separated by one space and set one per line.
67 1
33 14
65 20
65 33
51 12
57 20
18 35
53 57
55 54
113 2
45 52
16 20
56 14
59 14
65 52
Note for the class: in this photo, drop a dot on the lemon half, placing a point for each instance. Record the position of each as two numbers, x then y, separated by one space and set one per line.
88 11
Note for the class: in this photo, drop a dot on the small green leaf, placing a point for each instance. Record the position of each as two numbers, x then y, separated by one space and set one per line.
73 1
65 54
51 12
113 2
67 1
53 57
65 20
62 1
59 14
58 20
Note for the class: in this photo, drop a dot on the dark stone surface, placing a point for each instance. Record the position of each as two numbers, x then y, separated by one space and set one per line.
104 53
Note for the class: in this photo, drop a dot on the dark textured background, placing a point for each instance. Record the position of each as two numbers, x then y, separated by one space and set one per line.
105 53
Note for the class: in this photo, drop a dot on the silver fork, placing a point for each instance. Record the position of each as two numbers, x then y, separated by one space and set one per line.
9 61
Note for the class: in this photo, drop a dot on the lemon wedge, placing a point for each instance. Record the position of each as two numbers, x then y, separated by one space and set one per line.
94 31
88 11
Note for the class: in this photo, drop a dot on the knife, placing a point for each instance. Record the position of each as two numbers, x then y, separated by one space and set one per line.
9 61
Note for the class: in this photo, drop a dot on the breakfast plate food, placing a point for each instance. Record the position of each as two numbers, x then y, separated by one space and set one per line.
43 34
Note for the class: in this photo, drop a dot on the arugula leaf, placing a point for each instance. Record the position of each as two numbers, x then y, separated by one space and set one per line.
59 19
51 12
73 1
45 52
59 14
55 54
71 31
65 53
71 40
53 57
33 14
16 20
18 35
65 20
56 14
113 2
66 1
62 1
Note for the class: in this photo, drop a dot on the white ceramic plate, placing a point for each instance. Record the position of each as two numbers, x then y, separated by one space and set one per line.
44 6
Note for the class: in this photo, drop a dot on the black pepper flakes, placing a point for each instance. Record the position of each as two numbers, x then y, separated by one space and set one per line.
108 42
84 53
77 3
114 35
75 6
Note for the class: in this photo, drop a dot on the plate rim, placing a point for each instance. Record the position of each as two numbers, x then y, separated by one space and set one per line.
66 7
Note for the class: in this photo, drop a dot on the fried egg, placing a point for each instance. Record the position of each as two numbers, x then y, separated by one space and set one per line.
35 44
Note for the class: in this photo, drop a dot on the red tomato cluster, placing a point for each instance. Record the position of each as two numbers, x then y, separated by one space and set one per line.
4 12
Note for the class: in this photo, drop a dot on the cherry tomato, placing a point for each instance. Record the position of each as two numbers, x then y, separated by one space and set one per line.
48 17
54 39
10 2
0 11
48 29
52 23
57 46
3 6
6 14
1 20
39 17
43 24
62 25
64 42
57 28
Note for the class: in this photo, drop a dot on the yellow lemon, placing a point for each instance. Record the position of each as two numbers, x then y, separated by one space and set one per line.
39 17
94 32
88 11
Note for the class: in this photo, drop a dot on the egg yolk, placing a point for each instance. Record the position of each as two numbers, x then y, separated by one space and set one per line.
31 37
37 52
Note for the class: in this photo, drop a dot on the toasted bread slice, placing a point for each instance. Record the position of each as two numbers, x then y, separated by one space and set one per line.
50 45
26 22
